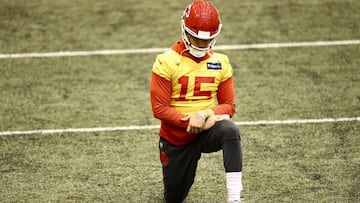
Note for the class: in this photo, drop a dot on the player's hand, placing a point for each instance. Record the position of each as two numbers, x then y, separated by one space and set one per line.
196 123
210 122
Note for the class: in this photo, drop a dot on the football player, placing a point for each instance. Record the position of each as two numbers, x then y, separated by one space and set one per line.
192 94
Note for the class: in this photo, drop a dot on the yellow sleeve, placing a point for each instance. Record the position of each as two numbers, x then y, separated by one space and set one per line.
164 65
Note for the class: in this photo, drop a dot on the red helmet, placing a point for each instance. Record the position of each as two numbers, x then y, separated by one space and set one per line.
201 20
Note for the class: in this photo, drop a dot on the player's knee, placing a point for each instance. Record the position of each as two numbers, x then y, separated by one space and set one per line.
230 131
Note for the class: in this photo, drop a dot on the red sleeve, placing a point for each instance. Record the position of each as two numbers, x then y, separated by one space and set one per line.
160 95
226 98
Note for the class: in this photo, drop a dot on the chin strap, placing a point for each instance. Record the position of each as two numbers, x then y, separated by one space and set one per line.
181 53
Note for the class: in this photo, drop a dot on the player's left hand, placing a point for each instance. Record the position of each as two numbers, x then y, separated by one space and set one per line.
210 122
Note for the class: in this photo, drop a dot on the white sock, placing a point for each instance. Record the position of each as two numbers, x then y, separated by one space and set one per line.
233 185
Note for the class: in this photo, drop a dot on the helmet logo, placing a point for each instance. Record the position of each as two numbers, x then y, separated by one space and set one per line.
186 13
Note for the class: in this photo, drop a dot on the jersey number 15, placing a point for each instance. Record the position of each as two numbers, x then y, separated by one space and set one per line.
184 81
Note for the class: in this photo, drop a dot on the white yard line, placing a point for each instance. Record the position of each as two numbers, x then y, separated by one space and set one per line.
159 50
151 127
301 121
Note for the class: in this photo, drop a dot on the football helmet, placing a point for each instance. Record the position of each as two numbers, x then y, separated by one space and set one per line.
201 20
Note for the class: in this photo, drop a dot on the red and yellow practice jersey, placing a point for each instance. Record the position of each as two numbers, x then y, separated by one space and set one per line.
182 85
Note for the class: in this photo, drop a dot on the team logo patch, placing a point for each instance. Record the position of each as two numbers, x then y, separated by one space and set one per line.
214 66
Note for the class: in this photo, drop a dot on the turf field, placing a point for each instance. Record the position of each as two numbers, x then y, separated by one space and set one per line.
312 162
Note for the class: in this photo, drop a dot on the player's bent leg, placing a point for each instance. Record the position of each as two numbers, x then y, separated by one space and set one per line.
229 136
225 135
232 155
